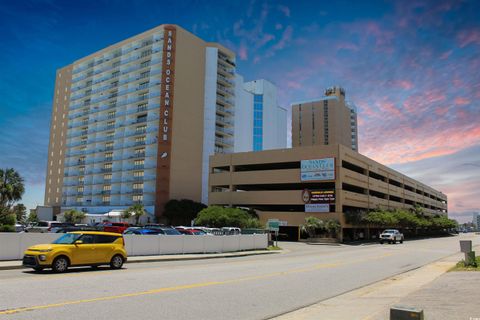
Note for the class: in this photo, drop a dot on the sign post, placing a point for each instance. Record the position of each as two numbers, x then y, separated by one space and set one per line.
274 225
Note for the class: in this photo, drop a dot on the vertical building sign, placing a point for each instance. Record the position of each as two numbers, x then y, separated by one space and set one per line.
166 116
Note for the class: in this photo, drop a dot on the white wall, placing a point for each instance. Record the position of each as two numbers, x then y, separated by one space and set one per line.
209 116
12 245
243 137
274 117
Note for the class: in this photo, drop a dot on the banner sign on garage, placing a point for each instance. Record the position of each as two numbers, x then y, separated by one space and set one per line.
318 196
317 207
317 169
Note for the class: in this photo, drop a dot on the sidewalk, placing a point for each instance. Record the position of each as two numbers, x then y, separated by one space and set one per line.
441 295
17 264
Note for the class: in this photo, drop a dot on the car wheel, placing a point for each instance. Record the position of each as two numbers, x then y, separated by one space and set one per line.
116 262
38 269
401 240
381 242
60 264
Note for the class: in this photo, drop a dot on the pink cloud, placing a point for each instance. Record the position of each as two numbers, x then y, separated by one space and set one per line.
404 84
446 54
285 10
462 101
467 37
346 46
242 52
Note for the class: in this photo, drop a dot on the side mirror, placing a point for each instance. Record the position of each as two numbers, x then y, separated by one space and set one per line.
77 242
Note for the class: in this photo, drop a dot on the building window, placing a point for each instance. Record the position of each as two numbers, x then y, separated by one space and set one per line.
141 129
144 74
79 199
257 122
145 64
140 152
143 96
138 175
115 74
110 124
81 170
107 187
108 155
140 140
137 197
110 134
107 176
138 186
139 163
107 165
142 107
106 198
111 114
109 145
80 189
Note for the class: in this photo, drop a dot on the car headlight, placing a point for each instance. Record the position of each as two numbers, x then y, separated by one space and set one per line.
42 257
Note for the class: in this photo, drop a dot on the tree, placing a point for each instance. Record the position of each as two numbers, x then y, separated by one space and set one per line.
7 220
125 215
380 218
11 187
73 216
21 212
332 227
217 217
137 210
182 212
32 217
311 225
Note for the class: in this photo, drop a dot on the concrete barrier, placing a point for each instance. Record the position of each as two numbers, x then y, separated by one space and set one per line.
12 245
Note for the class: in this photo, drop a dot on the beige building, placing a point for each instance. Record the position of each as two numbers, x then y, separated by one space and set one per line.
329 120
328 182
136 122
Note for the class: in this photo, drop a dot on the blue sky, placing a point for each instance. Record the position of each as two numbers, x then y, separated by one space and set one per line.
411 67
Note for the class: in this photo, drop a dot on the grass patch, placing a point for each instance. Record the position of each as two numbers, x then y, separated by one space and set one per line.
273 248
460 266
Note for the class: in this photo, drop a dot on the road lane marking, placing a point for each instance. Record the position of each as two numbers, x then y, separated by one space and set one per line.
194 285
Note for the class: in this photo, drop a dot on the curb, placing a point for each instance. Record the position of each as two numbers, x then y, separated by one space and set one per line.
224 255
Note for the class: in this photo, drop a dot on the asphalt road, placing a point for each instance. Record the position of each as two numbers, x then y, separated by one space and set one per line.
255 287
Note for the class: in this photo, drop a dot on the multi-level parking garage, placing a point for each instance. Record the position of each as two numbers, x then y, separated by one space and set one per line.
280 184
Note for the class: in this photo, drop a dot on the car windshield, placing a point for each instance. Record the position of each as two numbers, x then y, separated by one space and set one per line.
389 231
67 238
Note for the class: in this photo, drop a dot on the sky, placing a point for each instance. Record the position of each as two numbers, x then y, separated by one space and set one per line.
412 68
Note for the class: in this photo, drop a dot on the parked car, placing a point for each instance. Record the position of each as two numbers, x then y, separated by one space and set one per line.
19 227
165 230
79 248
231 230
116 227
140 231
391 235
211 231
66 229
46 226
191 231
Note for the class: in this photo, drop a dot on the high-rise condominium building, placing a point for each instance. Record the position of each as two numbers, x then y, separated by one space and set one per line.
325 121
136 122
261 115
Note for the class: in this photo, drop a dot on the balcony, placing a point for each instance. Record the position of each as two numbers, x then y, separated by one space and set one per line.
224 110
225 100
225 90
224 130
224 141
224 121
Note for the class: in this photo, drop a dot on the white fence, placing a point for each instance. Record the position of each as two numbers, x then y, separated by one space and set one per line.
12 245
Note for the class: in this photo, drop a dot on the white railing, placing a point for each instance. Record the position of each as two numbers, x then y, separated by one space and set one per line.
12 245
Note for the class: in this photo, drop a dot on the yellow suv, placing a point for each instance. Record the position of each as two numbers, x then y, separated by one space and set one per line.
79 248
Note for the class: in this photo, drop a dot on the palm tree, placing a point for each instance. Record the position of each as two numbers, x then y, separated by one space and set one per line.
332 227
11 187
136 210
311 225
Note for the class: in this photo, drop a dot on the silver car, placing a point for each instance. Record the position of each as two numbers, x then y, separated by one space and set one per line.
391 236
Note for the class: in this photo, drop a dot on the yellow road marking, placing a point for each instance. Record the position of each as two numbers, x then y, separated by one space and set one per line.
192 286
